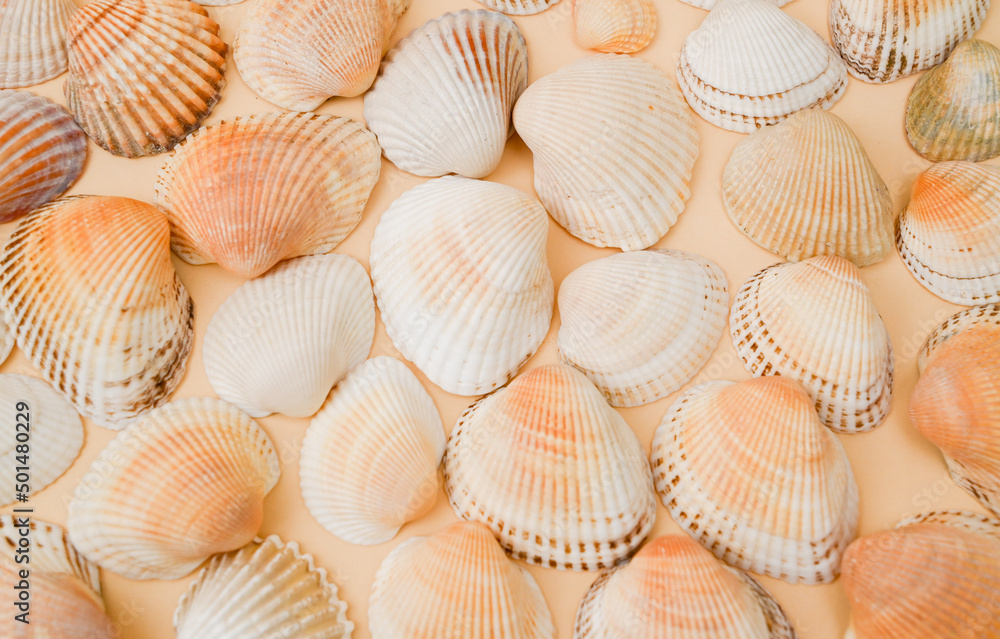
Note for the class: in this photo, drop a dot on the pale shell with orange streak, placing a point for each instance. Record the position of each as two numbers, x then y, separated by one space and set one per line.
614 26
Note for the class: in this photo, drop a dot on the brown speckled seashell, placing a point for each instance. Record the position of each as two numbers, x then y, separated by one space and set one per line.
987 314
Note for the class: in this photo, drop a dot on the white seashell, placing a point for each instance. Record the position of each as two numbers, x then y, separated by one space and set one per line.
50 549
518 7
33 45
614 26
6 341
985 315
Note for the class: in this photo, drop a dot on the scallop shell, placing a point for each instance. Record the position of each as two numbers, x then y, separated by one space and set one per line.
457 583
750 64
42 152
640 325
953 112
292 185
33 48
614 147
815 322
50 549
443 101
985 315
614 26
448 254
553 470
143 73
6 341
882 41
805 187
265 590
48 431
183 483
675 589
281 341
750 472
298 55
87 286
518 7
949 233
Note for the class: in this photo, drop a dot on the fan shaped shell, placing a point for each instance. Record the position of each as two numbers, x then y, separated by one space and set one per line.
33 48
518 7
614 26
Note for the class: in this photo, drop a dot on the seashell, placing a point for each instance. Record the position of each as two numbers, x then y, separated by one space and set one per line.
48 431
42 152
50 550
750 64
708 5
805 187
88 288
614 147
218 3
370 457
457 583
614 26
751 474
949 233
449 253
518 7
640 325
138 82
267 589
6 341
675 588
294 185
882 41
280 342
184 482
298 56
33 48
815 322
443 101
553 470
953 112
985 315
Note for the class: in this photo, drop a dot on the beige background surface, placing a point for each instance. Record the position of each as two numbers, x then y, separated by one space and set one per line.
898 471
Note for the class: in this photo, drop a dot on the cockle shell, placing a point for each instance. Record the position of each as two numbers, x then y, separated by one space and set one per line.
280 342
949 233
518 7
953 112
815 322
883 40
614 148
750 64
553 470
143 73
614 26
675 589
42 152
266 590
448 254
298 55
88 288
184 482
292 185
33 46
750 472
805 187
639 325
370 457
457 583
443 100
49 549
985 315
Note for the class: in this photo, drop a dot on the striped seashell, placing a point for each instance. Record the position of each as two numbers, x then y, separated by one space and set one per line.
6 341
518 7
985 315
708 5
614 26
33 46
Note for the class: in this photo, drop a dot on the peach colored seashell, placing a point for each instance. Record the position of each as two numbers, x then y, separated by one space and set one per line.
987 314
614 26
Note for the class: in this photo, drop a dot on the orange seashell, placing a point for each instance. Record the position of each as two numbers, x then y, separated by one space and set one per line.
614 26
987 314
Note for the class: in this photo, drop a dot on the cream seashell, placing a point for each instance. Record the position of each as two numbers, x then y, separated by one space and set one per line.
183 483
639 325
266 590
614 26
6 341
518 7
949 234
88 288
710 4
882 41
750 472
298 55
457 583
815 322
750 64
443 101
985 315
293 185
614 148
138 82
553 470
805 187
42 152
450 254
33 46
280 342
953 112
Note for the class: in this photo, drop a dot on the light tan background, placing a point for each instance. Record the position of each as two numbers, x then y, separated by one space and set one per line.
898 471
